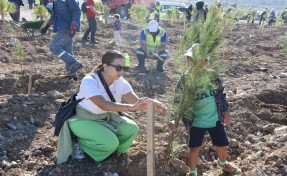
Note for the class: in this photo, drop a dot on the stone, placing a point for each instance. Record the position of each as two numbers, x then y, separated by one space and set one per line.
283 75
4 164
247 87
179 166
52 117
257 172
31 119
11 126
269 127
281 128
233 143
55 94
283 138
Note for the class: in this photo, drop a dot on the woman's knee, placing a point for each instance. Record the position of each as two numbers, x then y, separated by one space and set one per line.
130 129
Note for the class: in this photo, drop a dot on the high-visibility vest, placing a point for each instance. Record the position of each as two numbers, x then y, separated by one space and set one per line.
151 44
158 6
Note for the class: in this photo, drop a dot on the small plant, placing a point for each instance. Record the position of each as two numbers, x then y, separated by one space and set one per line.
19 53
138 13
41 12
5 8
279 20
169 14
104 10
251 15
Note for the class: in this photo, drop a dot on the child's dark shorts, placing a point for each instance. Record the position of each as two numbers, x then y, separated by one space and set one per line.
217 134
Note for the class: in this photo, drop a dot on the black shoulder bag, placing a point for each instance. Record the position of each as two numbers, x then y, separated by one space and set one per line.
107 89
66 110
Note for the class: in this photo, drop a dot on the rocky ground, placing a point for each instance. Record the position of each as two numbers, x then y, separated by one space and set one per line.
258 133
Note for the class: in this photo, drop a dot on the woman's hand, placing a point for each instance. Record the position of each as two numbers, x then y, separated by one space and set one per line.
159 107
141 104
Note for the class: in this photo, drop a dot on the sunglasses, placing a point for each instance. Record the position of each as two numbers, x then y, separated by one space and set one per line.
119 67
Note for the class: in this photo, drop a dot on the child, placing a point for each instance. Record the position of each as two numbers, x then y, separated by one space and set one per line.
210 113
117 28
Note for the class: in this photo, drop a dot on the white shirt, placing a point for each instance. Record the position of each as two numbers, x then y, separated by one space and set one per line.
91 87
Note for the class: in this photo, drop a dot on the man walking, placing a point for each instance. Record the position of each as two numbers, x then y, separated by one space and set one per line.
66 20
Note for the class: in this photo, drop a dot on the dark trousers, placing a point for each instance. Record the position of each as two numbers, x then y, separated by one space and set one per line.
142 55
156 17
92 29
16 16
30 4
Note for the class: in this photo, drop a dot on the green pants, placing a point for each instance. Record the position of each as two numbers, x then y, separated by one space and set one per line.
99 142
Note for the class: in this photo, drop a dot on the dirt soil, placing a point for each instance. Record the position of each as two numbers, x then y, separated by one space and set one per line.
258 104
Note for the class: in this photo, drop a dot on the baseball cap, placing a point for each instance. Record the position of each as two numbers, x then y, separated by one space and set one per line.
189 52
153 26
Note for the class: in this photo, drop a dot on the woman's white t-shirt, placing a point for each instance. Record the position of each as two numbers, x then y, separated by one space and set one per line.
92 86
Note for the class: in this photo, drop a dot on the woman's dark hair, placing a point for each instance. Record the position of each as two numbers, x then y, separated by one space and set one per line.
108 58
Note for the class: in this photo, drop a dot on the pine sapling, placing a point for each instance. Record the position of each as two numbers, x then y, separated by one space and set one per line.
41 12
199 77
5 8
138 13
19 53
104 9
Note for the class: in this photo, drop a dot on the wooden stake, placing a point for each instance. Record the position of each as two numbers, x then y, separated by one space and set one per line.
150 140
30 80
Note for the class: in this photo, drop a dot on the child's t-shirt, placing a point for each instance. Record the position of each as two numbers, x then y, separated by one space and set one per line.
206 114
117 25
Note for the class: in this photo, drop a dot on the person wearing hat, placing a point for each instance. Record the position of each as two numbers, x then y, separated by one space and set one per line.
210 114
153 42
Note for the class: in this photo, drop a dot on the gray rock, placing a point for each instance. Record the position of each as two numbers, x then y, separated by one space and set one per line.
283 75
281 128
257 172
233 143
269 127
283 138
31 119
55 94
11 126
4 164
179 165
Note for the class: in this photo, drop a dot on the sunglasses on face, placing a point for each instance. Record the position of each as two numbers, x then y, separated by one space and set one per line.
119 67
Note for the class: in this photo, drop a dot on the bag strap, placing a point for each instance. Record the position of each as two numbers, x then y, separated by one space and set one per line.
107 89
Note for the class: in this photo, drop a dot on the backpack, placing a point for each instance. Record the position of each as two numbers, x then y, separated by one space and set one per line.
66 110
84 7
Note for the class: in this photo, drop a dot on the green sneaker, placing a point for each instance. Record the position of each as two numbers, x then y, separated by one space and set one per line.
190 174
229 168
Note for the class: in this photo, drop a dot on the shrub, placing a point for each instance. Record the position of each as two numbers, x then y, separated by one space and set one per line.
6 7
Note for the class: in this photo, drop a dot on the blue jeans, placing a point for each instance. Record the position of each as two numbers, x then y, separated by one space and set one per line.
62 47
16 15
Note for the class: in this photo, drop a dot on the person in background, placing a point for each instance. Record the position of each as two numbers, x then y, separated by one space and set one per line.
157 8
91 16
210 114
201 12
272 18
263 16
188 12
153 42
100 130
30 2
66 20
16 15
117 28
